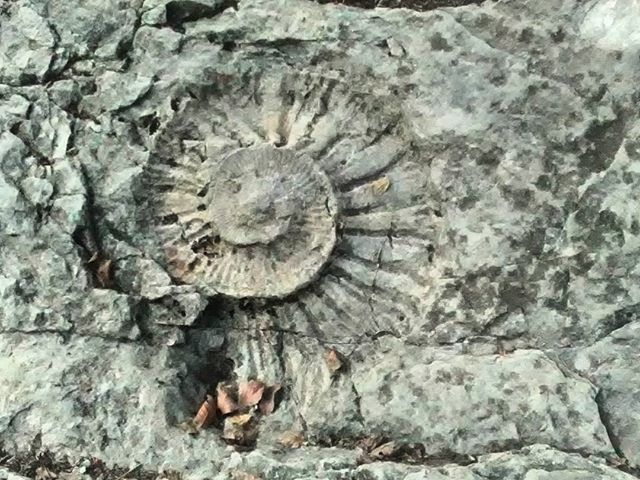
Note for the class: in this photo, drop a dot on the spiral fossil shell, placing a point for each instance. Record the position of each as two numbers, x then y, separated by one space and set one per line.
262 226
267 182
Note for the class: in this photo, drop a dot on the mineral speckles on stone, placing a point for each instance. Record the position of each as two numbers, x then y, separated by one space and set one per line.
612 23
26 46
612 364
87 377
484 166
262 225
448 402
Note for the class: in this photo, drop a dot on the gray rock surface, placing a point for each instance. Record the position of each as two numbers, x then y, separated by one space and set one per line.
453 402
477 168
612 363
5 474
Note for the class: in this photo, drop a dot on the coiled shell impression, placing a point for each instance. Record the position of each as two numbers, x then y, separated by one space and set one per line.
265 182
263 225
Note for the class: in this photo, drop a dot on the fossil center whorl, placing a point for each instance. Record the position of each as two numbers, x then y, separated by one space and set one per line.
256 196
264 226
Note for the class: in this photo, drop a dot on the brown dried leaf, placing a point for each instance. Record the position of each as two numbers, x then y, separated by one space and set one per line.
334 361
189 427
268 402
368 443
381 185
250 393
292 439
206 413
104 273
242 419
415 453
226 399
386 450
128 475
43 473
240 429
240 475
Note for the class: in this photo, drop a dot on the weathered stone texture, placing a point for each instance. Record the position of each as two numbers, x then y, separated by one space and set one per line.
449 199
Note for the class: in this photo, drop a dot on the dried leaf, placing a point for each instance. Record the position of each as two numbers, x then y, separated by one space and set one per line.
240 475
381 185
386 450
206 414
43 473
368 443
241 420
618 462
268 402
292 439
189 427
104 273
415 453
226 399
334 361
126 476
250 393
240 429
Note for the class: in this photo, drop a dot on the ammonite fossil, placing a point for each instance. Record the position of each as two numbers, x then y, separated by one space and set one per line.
260 223
270 183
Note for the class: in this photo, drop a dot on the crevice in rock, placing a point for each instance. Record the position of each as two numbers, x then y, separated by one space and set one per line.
26 463
33 150
420 5
87 237
280 352
204 367
605 419
619 319
276 44
621 463
38 463
64 334
15 415
67 334
356 401
144 323
284 331
51 74
180 11
372 337
462 459
123 50
606 139
413 454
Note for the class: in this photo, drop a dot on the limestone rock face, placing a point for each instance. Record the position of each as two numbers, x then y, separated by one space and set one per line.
422 225
439 399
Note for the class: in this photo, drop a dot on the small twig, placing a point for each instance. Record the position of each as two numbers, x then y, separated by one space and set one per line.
125 474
